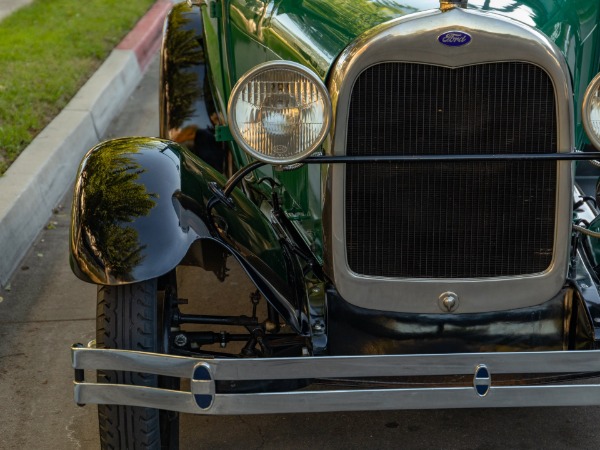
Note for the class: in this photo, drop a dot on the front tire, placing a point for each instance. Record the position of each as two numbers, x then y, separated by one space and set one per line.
130 317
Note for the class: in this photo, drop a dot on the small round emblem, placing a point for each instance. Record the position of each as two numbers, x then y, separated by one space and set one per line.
454 38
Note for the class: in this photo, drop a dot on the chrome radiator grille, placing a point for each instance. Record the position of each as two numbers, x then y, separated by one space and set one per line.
451 220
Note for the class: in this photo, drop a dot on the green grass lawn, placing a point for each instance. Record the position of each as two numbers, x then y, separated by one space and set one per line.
48 50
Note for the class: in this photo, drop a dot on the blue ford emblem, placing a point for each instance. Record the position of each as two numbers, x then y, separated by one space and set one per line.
482 380
454 38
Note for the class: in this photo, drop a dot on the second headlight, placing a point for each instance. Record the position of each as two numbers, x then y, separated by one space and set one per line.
279 112
591 111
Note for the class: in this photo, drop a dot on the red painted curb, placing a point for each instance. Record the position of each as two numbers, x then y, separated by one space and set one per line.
145 38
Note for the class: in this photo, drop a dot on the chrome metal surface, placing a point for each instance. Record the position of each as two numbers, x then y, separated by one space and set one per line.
378 400
340 400
115 394
291 67
414 39
166 365
448 301
339 366
590 94
329 401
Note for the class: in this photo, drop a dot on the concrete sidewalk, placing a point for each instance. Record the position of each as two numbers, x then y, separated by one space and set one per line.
41 175
7 7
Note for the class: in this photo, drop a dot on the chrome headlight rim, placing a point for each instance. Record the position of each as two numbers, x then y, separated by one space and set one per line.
269 66
594 86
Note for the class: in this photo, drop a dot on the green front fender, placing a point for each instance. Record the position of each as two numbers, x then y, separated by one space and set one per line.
140 204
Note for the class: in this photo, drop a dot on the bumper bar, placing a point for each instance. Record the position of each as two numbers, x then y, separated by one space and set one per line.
203 373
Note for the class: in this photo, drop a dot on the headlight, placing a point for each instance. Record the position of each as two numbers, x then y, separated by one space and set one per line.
279 112
591 111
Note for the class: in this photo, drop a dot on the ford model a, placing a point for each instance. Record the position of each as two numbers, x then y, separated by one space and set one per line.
397 179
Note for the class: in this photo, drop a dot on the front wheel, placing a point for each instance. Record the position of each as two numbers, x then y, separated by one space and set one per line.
132 317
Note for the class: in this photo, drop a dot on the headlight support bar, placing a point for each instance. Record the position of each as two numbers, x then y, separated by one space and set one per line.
570 156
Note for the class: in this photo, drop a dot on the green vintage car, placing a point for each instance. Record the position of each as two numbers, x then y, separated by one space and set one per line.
409 185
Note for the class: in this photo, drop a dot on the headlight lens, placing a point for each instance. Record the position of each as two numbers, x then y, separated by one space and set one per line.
591 111
279 112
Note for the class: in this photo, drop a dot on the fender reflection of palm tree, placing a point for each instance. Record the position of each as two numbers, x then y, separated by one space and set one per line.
183 53
111 198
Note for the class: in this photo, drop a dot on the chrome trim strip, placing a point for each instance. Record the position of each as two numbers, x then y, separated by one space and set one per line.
341 400
379 400
133 361
339 366
115 394
413 38
329 401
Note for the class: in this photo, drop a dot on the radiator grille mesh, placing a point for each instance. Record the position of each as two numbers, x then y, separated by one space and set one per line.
451 220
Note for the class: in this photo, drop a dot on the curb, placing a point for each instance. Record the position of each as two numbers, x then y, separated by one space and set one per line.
6 8
36 182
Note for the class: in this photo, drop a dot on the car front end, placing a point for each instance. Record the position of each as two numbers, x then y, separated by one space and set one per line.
407 205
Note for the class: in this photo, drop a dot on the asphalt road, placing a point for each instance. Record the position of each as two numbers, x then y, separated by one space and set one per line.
45 309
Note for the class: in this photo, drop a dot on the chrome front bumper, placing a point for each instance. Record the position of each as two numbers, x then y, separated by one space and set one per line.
203 373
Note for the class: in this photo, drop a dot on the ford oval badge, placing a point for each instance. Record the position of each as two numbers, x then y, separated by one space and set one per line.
454 38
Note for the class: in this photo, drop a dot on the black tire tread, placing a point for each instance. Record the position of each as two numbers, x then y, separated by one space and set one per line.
127 319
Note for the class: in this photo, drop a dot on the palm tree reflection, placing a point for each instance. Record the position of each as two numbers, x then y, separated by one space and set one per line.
183 55
111 199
